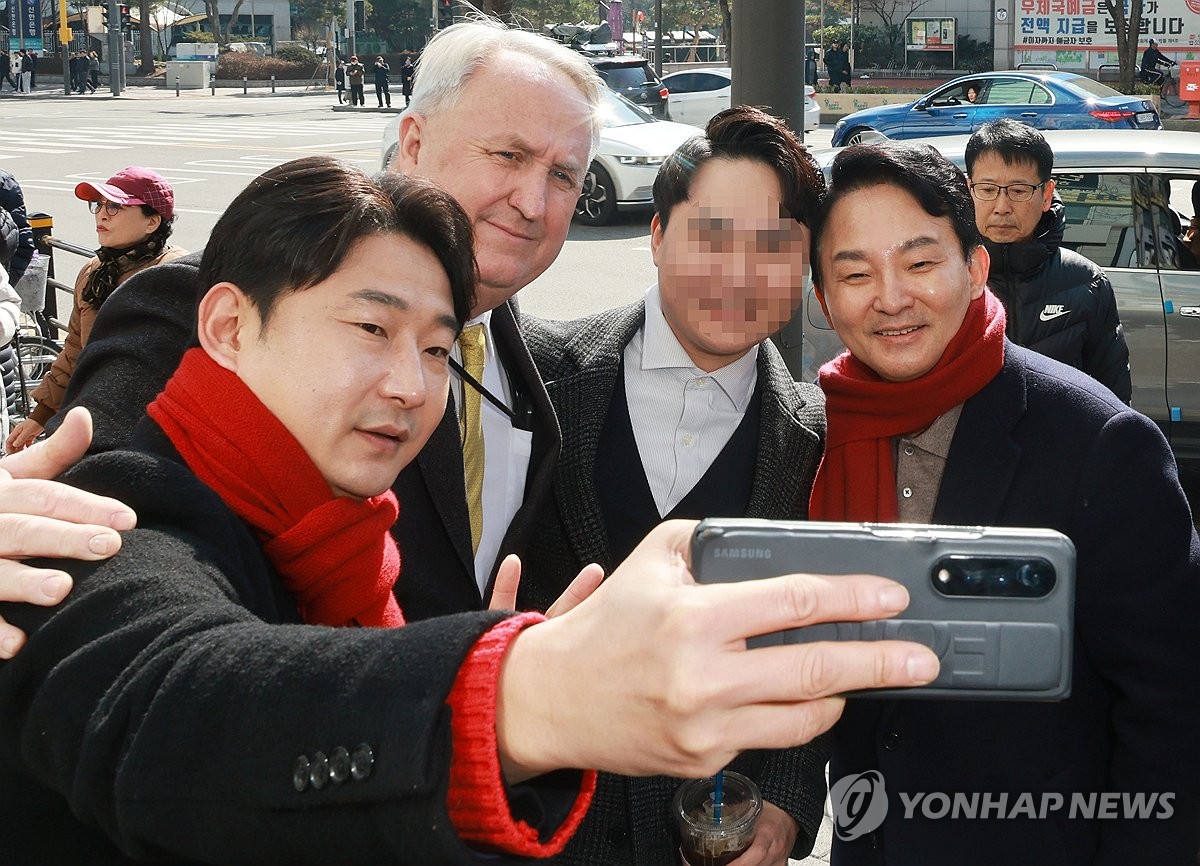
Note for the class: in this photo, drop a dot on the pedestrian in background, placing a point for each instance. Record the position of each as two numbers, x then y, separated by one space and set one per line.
339 80
381 82
6 70
355 72
93 71
31 61
1058 303
135 210
406 79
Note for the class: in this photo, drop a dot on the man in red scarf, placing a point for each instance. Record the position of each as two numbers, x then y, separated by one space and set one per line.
934 417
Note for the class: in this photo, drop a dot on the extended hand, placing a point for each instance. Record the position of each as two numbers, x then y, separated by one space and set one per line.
39 517
651 675
774 837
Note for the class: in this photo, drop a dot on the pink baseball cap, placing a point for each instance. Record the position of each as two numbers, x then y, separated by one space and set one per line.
132 185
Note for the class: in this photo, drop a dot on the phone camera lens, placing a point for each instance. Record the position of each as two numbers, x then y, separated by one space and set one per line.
1031 577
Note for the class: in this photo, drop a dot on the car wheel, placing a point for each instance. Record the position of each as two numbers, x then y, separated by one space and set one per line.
862 135
598 202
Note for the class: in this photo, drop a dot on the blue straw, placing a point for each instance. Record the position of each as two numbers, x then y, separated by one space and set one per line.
718 794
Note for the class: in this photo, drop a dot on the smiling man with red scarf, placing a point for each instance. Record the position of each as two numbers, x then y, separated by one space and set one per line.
935 418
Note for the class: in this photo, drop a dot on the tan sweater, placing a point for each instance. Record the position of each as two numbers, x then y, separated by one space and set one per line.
49 394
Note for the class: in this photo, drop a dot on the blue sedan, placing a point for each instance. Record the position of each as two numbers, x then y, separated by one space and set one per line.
1048 100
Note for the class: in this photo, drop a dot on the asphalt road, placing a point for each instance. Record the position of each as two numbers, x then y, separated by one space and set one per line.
209 147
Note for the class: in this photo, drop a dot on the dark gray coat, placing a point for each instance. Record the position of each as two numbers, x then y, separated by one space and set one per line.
580 361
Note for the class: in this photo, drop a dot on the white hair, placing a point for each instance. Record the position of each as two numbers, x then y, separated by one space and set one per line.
456 53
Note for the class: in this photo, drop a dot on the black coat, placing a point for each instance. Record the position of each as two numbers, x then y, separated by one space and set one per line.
1043 445
1060 304
13 201
628 822
136 343
161 710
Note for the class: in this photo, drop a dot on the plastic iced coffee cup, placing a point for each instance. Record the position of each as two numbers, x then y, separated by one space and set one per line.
706 839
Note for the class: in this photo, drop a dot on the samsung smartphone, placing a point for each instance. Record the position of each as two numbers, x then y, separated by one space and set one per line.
995 604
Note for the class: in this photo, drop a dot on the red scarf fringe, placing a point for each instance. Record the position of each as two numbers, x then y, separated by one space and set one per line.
336 555
856 480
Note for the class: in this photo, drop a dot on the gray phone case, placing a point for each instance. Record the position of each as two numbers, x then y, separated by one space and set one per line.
1010 648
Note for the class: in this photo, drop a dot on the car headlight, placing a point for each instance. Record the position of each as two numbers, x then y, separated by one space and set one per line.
641 160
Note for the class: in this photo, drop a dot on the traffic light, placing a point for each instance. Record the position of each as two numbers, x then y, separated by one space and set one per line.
104 15
445 14
360 15
125 22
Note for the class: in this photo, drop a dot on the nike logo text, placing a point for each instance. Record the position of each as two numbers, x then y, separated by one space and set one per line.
1052 311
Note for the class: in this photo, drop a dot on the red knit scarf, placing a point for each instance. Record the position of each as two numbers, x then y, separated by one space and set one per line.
336 555
857 477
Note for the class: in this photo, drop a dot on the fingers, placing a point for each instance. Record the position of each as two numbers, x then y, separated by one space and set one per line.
27 535
508 581
11 640
57 453
60 502
21 435
757 607
786 674
584 584
43 586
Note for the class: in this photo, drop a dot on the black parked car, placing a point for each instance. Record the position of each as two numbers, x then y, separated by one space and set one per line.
632 77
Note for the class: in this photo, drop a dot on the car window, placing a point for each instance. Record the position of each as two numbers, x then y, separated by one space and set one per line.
708 81
1095 88
624 77
1115 219
956 93
686 82
1014 91
615 110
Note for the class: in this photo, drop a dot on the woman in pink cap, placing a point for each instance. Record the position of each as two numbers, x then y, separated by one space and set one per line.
135 209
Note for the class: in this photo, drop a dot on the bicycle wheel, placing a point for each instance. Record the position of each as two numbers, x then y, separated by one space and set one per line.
35 354
1170 93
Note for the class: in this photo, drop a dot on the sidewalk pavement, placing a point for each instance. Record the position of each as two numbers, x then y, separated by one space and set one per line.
52 89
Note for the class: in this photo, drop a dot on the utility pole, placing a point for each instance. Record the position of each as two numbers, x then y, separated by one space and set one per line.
350 49
116 51
64 41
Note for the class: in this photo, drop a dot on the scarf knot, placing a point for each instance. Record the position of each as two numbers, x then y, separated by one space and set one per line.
115 261
856 480
335 555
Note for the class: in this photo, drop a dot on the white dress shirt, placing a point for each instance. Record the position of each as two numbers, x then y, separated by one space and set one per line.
682 417
506 453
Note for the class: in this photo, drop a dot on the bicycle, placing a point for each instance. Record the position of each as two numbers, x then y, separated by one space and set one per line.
1168 83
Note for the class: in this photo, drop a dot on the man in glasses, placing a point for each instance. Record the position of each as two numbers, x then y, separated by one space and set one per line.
1058 303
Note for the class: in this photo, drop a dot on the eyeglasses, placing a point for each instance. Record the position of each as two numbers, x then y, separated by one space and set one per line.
109 208
1016 192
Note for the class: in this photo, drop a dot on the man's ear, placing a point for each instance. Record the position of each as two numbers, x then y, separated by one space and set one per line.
412 127
979 265
656 238
226 322
1047 195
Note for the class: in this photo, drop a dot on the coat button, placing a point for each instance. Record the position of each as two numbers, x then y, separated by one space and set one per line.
300 773
891 741
318 773
361 762
339 764
907 493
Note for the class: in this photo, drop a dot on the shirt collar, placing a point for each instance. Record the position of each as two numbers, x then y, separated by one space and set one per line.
662 351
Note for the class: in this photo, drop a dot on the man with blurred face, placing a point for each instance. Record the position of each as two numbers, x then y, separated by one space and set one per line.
678 406
1056 301
934 417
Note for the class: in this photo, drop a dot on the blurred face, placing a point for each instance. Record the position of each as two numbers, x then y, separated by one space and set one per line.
730 262
895 284
356 366
126 227
513 150
1004 221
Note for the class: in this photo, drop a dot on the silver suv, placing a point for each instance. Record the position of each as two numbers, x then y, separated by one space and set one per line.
1128 196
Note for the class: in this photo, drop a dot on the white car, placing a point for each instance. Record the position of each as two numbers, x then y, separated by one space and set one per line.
696 95
633 145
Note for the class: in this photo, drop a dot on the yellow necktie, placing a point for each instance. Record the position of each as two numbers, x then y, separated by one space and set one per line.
471 342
